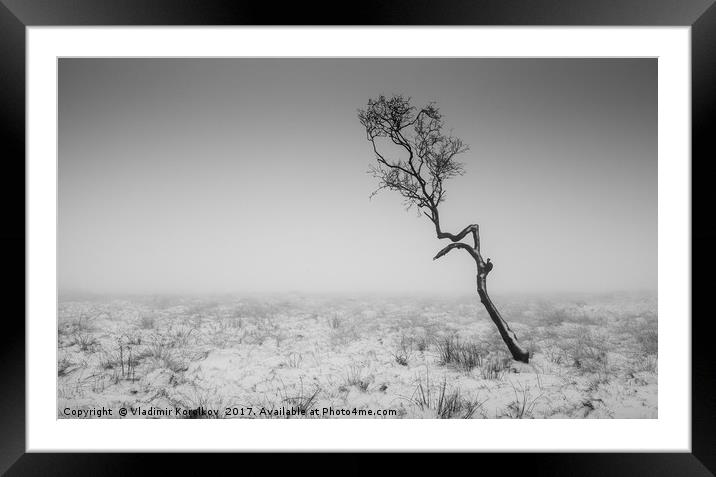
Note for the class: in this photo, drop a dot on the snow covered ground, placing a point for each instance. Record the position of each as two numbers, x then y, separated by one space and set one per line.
357 357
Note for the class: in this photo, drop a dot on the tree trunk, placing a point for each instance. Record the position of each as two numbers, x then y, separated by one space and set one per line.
483 268
508 336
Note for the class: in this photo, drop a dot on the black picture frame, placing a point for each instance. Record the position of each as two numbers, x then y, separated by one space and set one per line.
16 15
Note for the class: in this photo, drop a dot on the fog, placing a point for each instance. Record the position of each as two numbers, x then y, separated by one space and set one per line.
250 175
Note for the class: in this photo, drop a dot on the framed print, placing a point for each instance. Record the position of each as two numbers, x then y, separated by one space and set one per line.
389 231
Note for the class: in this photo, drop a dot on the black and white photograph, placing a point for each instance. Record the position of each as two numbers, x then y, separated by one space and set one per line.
357 238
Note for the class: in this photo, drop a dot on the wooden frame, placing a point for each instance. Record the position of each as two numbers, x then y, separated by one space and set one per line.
16 15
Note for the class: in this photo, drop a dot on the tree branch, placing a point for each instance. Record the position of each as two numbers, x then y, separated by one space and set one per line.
461 245
472 228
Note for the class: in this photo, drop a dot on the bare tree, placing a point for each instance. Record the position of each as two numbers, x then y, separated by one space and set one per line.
422 158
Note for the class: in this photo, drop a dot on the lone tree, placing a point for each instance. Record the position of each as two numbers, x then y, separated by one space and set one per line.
423 158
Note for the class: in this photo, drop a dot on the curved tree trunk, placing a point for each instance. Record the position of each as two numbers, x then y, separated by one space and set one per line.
508 336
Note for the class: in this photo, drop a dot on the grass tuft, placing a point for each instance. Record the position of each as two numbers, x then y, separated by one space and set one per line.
462 355
446 404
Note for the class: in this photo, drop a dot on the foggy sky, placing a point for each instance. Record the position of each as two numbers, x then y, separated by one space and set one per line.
240 175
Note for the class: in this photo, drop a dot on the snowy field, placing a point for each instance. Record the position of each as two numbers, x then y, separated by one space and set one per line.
356 357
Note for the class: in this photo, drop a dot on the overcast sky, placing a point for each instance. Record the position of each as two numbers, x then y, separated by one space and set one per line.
241 175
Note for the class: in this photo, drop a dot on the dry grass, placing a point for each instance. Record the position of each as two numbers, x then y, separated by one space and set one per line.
356 376
443 402
363 353
460 354
301 399
404 350
524 403
85 342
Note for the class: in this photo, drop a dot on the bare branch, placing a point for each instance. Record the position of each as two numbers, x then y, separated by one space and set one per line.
455 245
428 155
